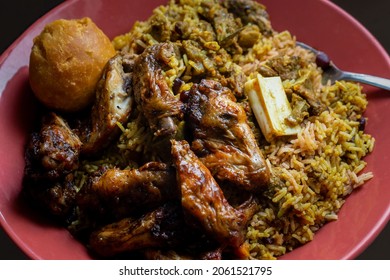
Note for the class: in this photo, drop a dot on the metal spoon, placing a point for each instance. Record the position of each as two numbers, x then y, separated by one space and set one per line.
332 73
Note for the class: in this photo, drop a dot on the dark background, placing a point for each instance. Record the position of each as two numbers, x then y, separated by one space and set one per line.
17 15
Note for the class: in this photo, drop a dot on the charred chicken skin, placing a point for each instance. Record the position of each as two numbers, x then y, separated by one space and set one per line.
203 201
163 228
53 151
52 154
160 228
120 193
223 139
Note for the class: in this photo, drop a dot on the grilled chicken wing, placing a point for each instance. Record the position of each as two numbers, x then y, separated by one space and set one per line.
113 105
158 229
161 108
52 154
54 151
203 200
223 139
58 198
118 193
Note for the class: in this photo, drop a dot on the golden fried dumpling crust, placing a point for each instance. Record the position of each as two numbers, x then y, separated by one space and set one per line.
66 62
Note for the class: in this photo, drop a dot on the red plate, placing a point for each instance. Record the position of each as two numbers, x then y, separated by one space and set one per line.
319 23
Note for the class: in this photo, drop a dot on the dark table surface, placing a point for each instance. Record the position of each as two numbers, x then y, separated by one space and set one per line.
17 15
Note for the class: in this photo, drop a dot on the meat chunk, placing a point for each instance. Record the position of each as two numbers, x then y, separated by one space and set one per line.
54 151
306 90
223 139
57 198
161 108
119 193
113 105
210 64
250 12
160 228
52 155
287 67
204 65
203 201
226 26
223 22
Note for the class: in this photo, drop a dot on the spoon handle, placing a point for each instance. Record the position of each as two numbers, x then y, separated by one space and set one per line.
367 79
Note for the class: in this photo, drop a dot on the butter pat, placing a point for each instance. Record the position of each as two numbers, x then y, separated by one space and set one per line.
271 107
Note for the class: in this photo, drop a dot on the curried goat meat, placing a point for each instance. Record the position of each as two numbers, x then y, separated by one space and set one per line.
250 12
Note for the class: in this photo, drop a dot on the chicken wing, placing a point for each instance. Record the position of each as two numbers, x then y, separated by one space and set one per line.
53 151
203 201
120 193
223 139
160 228
113 104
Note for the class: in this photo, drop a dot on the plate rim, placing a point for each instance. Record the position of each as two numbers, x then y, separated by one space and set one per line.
369 237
